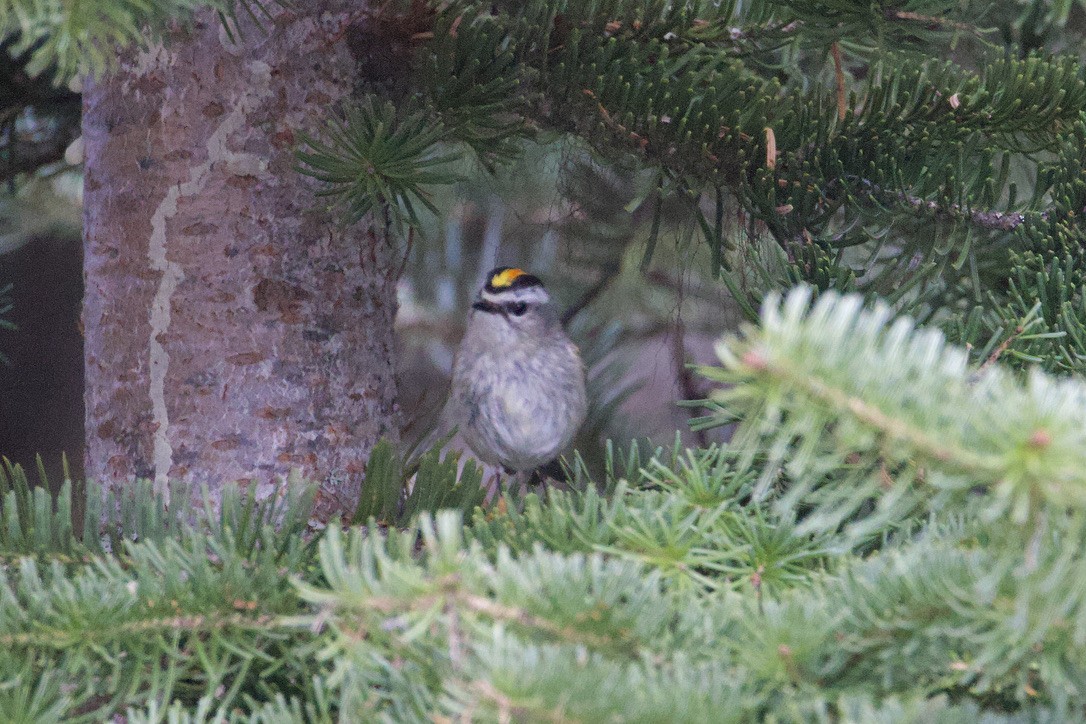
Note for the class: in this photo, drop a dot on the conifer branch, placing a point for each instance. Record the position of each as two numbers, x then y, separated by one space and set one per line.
44 637
831 378
982 218
891 530
894 430
73 39
989 219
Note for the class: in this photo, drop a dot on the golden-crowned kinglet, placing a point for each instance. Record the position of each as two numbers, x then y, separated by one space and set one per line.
518 392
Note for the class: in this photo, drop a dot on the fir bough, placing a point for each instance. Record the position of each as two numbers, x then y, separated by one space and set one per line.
893 530
894 534
71 39
854 160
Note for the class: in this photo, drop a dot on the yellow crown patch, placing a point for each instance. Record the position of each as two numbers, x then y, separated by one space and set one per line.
505 278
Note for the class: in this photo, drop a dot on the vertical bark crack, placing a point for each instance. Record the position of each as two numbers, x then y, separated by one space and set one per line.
261 346
173 274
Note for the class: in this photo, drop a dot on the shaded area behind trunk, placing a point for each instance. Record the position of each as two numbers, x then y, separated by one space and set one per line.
41 393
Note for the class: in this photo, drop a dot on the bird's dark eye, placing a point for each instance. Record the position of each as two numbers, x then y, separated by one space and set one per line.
518 308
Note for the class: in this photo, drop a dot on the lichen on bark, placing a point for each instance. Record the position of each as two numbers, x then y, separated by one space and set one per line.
235 330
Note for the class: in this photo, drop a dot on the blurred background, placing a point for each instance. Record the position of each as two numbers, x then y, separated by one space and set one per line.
627 265
41 269
584 228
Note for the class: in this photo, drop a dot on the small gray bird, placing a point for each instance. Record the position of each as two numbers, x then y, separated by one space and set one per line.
518 391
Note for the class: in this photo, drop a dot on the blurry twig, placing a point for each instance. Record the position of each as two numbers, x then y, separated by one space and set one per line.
998 352
427 412
406 253
684 376
839 77
607 274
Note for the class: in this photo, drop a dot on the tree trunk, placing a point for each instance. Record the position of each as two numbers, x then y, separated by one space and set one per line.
235 331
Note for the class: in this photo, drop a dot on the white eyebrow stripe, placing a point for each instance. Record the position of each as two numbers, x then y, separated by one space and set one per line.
528 295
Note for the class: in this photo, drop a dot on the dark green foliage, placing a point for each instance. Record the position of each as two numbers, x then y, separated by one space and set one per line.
395 491
894 174
895 532
892 531
33 519
174 611
378 157
1048 274
854 159
37 522
474 95
185 607
82 38
850 157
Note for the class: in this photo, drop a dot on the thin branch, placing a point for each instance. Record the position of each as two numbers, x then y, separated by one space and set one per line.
839 77
510 710
931 20
684 376
754 33
607 275
998 352
983 218
406 253
986 219
452 594
46 637
28 156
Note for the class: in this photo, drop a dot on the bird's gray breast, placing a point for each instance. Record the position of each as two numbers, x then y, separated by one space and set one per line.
521 410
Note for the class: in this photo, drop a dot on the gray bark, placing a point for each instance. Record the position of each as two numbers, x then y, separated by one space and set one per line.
234 330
